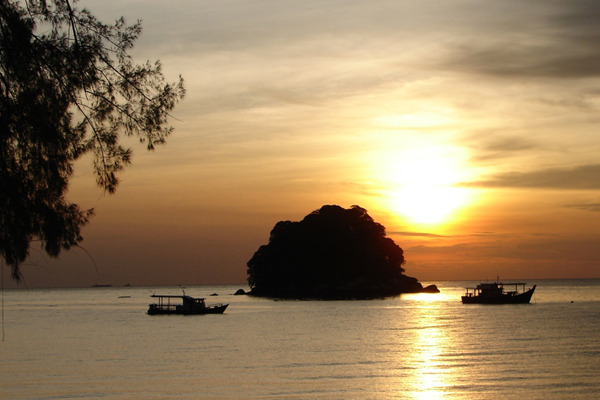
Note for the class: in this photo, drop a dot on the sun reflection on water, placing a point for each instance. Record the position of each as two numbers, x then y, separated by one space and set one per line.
430 378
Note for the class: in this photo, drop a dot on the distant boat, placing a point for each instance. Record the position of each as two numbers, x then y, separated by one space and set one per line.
96 285
188 306
494 293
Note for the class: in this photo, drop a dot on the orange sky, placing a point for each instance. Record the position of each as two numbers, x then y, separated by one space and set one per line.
468 129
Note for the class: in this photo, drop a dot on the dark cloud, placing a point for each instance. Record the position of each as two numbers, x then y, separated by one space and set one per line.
512 144
518 60
558 39
434 235
584 177
420 234
593 207
486 234
454 249
490 146
567 250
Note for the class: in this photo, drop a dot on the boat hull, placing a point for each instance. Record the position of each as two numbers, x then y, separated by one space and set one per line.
523 298
177 311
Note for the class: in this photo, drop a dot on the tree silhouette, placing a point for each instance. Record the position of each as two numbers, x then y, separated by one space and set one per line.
67 88
332 253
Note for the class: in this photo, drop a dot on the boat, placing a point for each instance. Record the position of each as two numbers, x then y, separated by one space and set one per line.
494 293
168 304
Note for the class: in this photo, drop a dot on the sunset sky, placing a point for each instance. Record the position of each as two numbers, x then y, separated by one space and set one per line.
468 128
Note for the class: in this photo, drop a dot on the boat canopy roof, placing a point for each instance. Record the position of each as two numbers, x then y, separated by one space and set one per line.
498 284
174 296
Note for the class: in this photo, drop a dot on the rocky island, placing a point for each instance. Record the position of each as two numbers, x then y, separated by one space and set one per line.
333 253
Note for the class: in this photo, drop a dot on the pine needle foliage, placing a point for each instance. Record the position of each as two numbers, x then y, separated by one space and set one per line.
68 87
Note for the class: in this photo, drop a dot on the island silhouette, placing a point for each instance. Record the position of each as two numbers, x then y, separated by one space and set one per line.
333 253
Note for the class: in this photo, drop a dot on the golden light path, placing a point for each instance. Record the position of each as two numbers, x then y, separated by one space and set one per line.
431 377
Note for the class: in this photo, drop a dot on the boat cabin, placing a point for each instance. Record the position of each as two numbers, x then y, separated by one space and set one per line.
187 304
495 289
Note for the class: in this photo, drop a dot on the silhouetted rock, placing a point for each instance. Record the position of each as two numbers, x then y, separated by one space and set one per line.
333 253
240 292
430 289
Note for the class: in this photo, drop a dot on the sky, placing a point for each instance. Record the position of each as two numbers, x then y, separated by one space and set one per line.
468 128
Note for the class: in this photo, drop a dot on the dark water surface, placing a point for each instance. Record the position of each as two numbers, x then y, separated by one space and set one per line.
95 343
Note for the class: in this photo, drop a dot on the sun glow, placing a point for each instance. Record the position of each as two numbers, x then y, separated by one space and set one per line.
422 185
427 204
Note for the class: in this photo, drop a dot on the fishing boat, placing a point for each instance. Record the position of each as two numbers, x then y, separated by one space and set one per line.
494 293
169 304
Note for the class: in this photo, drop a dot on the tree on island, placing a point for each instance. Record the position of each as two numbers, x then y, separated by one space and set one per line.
333 253
68 87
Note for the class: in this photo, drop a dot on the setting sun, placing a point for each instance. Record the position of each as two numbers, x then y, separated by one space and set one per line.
427 204
422 185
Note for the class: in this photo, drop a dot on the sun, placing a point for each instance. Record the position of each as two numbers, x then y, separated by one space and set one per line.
424 204
422 185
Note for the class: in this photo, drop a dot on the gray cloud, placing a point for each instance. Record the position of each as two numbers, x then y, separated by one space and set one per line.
470 235
584 177
492 145
566 250
558 39
512 144
517 60
593 207
418 234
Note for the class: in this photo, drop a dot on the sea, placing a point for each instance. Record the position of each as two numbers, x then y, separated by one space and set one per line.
99 343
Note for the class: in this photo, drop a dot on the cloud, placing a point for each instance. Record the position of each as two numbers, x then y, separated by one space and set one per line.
491 145
512 144
584 177
518 60
471 235
559 39
419 234
593 207
453 249
565 249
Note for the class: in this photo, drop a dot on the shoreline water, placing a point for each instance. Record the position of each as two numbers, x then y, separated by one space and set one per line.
244 285
91 342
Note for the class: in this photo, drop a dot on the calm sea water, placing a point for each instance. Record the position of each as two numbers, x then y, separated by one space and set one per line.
99 343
